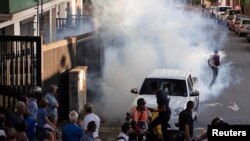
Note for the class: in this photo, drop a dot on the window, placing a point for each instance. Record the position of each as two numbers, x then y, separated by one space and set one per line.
233 12
171 86
246 22
222 9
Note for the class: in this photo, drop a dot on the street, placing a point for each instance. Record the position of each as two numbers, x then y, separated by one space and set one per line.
102 52
232 102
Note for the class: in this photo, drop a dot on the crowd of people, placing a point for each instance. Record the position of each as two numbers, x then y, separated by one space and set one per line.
35 120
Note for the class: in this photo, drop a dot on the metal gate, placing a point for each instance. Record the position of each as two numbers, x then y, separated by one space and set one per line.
20 68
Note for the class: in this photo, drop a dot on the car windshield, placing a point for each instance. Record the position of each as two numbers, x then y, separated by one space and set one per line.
171 86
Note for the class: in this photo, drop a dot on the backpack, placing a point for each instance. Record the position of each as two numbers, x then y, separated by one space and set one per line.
216 59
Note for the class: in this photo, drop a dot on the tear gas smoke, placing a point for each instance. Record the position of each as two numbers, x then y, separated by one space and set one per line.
141 35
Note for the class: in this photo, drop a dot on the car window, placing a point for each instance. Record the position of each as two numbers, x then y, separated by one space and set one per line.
246 22
233 12
171 86
222 9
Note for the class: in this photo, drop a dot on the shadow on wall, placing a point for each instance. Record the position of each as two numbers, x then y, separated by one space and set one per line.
61 80
60 60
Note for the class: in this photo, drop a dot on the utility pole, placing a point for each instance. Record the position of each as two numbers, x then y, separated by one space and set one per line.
41 20
37 17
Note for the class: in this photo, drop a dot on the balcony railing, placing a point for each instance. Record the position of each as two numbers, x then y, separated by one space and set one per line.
72 22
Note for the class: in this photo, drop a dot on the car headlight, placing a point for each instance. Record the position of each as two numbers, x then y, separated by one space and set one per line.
177 111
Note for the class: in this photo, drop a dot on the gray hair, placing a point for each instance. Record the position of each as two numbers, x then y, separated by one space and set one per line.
19 105
73 116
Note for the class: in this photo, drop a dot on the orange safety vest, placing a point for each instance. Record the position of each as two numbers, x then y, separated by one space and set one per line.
137 114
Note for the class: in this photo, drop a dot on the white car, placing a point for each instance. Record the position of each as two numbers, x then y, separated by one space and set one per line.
212 10
242 26
220 11
228 15
179 84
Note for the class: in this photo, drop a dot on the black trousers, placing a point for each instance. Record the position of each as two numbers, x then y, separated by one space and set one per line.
163 121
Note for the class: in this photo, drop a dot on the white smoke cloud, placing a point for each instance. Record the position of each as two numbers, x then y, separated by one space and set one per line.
140 35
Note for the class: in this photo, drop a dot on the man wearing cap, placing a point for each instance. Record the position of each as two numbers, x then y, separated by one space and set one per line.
141 117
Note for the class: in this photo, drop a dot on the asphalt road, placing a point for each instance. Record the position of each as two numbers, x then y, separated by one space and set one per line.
232 104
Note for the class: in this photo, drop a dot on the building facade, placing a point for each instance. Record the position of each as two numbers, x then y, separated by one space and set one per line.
232 3
35 17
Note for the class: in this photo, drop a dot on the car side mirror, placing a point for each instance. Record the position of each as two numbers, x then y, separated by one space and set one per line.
195 93
134 91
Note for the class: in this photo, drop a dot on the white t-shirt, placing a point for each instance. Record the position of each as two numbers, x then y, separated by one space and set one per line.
91 117
124 136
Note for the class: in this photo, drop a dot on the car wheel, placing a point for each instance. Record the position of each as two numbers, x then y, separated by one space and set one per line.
248 40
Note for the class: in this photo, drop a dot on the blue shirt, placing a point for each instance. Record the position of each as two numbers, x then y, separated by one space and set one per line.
32 107
52 109
163 100
41 114
72 132
31 126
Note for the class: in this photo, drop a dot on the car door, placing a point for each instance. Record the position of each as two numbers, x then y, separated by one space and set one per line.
195 99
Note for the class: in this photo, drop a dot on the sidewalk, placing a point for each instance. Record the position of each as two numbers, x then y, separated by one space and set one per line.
108 133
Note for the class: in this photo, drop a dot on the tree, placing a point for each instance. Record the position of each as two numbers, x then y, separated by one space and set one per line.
244 2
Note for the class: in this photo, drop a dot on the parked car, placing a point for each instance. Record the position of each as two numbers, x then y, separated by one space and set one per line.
248 35
221 10
180 86
233 22
211 11
242 26
228 15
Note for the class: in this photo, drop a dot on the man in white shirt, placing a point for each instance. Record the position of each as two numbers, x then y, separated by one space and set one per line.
90 116
123 135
